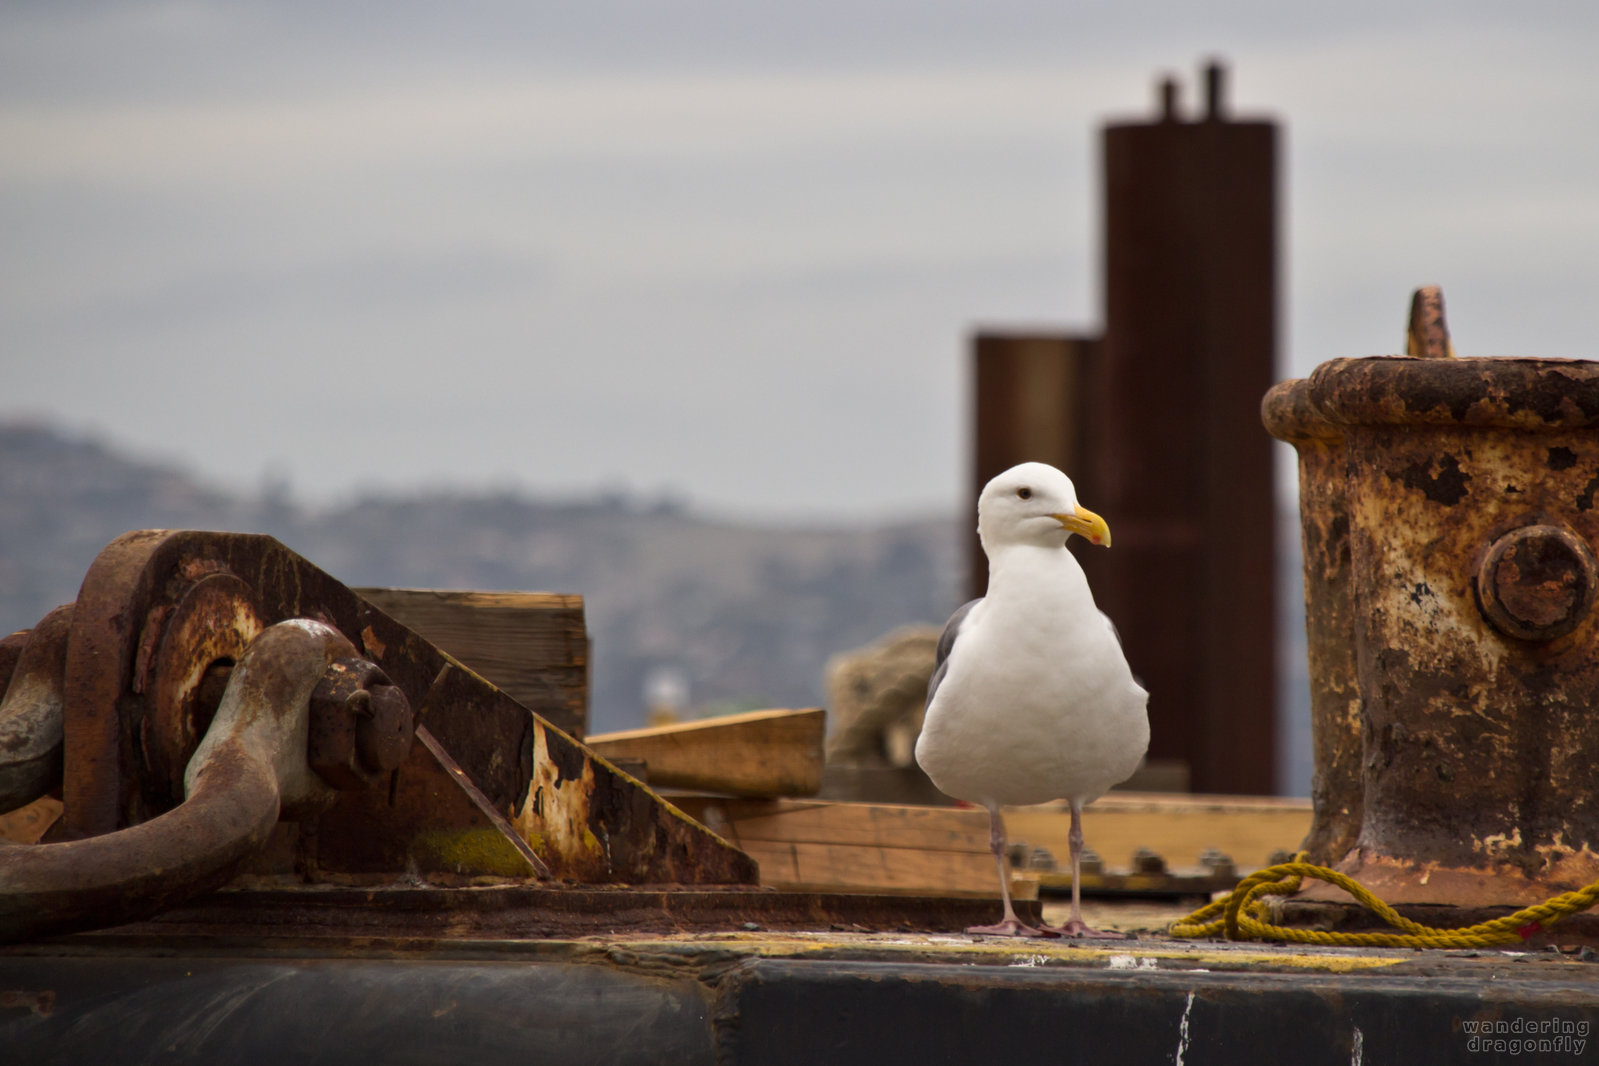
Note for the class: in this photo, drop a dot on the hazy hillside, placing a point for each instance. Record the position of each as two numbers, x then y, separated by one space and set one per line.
745 615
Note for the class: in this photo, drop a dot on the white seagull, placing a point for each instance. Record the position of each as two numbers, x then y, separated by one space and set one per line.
1032 699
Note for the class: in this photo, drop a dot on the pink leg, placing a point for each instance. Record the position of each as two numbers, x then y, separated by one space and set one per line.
1009 924
1075 926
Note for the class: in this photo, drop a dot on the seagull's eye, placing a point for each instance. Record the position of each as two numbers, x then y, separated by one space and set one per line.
1025 493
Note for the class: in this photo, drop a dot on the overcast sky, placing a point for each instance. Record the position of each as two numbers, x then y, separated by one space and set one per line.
728 250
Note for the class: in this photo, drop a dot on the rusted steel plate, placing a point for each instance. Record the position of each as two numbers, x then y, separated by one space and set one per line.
585 820
427 822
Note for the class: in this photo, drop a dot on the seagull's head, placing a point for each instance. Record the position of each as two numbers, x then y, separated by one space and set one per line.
1035 504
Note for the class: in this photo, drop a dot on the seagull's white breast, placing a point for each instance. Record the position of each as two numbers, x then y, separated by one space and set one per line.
1037 701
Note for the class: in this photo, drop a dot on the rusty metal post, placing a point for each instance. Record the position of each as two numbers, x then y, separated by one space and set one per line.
1470 490
1184 474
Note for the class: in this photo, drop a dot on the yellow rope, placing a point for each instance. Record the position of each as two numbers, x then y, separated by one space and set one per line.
1243 915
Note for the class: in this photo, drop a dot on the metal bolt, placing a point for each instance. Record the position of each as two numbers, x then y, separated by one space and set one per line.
1089 862
1537 582
1041 859
361 725
1217 863
383 734
1146 861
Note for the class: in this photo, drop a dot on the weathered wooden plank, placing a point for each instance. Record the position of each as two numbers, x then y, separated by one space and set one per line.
795 865
533 646
761 753
859 847
1247 828
872 847
950 829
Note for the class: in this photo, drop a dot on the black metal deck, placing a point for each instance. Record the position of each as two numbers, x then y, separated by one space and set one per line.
804 998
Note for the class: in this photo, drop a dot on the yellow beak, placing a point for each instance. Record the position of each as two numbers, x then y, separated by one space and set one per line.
1085 523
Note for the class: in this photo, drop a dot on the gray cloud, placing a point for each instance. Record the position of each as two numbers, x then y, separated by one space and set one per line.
732 249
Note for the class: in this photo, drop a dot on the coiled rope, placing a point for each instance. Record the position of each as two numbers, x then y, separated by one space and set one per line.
1244 915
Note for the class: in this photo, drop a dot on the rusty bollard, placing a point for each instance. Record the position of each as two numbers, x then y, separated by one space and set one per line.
1329 619
1448 510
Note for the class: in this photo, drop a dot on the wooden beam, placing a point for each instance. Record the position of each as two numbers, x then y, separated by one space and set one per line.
761 753
1247 828
859 847
873 847
533 646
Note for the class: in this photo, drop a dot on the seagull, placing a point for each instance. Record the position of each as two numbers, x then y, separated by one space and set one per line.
1032 699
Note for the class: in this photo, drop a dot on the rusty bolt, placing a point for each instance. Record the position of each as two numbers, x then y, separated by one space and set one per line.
1537 582
361 725
1217 863
1146 861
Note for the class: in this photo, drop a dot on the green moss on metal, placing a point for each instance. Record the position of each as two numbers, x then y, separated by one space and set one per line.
480 851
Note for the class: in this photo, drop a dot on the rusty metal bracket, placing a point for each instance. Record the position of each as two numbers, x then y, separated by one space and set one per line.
138 676
250 766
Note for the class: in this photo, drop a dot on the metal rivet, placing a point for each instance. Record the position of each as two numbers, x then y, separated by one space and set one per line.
1537 582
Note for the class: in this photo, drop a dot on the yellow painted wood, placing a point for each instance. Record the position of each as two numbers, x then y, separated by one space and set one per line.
760 753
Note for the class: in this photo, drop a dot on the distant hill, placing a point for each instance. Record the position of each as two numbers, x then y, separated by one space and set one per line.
747 616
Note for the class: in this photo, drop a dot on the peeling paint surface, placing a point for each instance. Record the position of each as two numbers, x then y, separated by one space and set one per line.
1462 492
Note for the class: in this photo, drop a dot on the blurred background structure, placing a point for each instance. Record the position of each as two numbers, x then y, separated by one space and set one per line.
1157 422
604 298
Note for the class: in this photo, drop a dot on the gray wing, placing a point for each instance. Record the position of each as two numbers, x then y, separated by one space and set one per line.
946 641
1113 630
1110 625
